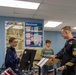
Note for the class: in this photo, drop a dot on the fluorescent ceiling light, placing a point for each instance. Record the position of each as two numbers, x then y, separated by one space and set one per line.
18 27
52 24
19 4
74 28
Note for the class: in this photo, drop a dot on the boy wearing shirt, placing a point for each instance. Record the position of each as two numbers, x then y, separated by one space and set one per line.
11 58
47 52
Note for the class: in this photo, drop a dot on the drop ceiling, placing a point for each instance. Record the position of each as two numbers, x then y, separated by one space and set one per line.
54 10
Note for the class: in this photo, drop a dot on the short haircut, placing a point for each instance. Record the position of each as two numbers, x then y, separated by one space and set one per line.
47 41
11 39
66 28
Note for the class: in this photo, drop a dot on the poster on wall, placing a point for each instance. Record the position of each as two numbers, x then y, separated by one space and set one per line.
33 35
15 29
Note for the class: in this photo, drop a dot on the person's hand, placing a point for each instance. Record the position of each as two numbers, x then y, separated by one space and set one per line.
61 68
52 56
20 56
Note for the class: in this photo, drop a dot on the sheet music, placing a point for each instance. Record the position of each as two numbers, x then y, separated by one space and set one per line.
42 61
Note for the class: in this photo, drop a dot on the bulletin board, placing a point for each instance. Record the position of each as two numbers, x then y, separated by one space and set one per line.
15 29
33 35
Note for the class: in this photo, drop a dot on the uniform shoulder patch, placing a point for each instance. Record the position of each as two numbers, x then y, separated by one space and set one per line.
70 42
74 49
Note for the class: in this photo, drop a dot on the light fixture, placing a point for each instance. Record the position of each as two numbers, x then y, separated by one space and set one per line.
52 24
74 27
19 4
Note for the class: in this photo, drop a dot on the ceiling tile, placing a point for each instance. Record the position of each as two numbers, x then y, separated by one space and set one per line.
48 29
54 14
23 15
42 17
57 8
32 0
71 3
6 10
16 15
25 11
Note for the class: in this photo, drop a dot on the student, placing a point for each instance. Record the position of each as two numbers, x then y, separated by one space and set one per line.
68 54
11 59
47 52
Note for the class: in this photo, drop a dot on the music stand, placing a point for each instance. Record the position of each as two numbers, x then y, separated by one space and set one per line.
27 60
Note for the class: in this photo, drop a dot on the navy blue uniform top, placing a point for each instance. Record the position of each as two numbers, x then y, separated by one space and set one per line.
68 57
11 59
